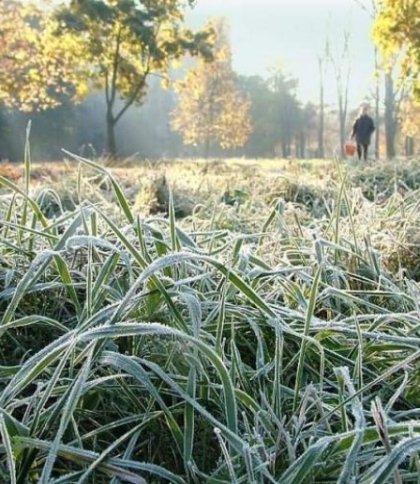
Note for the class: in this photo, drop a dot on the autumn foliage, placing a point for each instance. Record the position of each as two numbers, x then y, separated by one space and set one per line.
124 43
212 112
36 68
397 30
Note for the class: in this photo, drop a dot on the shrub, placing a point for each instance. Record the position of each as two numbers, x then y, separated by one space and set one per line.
11 172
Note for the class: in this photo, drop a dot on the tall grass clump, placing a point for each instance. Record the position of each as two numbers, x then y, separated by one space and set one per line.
139 350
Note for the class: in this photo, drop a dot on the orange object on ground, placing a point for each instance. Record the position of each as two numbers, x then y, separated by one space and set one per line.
350 149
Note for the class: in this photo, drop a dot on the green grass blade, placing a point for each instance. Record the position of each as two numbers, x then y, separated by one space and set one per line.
8 447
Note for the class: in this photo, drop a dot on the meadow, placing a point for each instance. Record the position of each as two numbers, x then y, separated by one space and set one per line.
221 321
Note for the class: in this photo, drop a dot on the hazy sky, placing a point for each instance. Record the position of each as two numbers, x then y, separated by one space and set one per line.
294 31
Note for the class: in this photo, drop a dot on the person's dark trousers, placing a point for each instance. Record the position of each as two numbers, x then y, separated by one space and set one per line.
362 149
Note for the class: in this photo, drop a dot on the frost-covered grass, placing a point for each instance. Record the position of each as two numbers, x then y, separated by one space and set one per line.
271 334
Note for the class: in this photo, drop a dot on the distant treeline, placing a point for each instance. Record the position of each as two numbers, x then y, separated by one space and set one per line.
282 126
55 71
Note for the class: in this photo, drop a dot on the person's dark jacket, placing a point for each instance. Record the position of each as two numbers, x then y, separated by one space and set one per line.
363 128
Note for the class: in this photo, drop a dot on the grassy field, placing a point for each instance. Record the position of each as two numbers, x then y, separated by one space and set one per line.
210 322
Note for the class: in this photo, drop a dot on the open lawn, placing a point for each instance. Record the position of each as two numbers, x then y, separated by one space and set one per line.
224 321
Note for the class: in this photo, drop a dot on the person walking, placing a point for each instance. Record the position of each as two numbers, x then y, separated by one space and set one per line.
363 128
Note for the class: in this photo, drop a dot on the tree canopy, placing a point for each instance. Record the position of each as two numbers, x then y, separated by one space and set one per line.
211 110
36 70
278 120
125 42
396 30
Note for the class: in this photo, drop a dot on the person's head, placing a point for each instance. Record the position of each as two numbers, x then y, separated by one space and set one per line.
364 109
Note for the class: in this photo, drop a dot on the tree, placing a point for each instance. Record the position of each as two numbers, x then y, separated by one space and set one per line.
262 140
371 7
279 122
125 42
391 115
321 68
395 93
211 111
322 64
395 89
284 109
307 124
410 123
342 69
397 30
36 71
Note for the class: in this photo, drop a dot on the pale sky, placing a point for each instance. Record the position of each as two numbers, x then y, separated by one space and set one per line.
294 31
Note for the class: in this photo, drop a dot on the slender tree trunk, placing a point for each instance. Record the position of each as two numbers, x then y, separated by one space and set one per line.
342 69
377 102
342 137
297 147
321 151
284 148
302 144
111 138
409 146
342 122
390 121
289 146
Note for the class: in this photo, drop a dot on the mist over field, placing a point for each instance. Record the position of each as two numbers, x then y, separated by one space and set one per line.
265 37
264 32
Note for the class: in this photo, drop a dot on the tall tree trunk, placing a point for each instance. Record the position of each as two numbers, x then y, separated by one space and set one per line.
390 116
321 151
409 146
111 138
284 148
342 70
342 122
302 144
289 146
377 103
298 146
